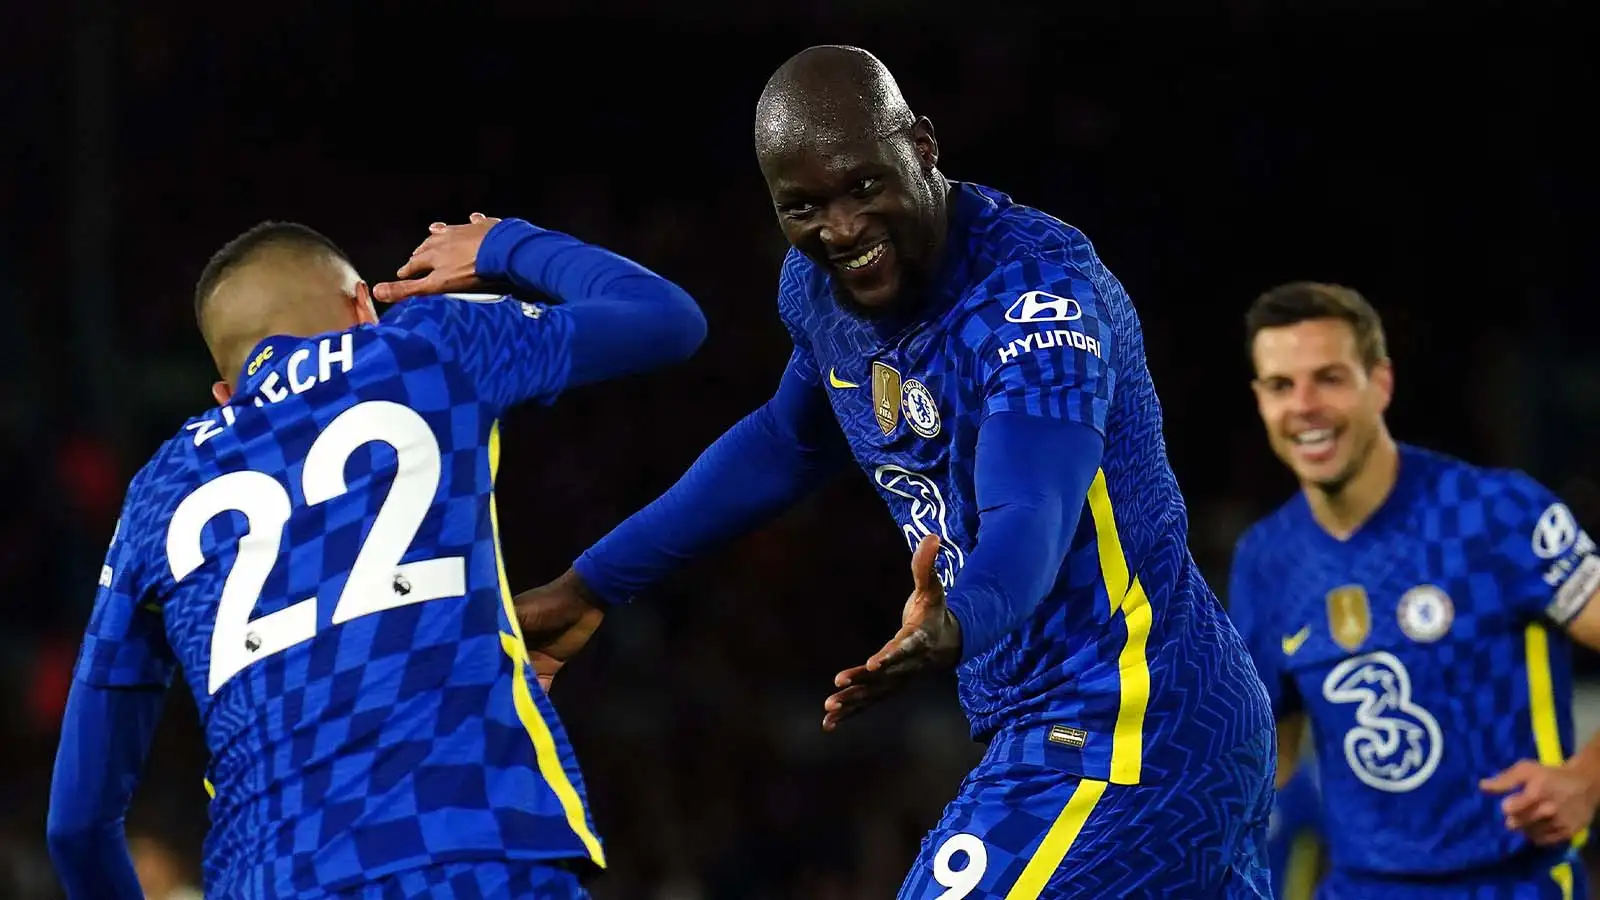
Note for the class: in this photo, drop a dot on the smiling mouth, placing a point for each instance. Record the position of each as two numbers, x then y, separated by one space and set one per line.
866 258
1315 440
1314 437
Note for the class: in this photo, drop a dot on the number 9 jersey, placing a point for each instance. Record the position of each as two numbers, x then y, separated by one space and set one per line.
320 559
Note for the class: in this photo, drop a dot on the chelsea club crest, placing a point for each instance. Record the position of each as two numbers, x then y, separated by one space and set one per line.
1425 613
920 410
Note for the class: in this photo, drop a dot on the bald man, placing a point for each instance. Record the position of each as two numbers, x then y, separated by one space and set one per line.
318 555
987 373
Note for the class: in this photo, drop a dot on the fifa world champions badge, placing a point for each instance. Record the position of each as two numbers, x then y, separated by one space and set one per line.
886 396
1349 616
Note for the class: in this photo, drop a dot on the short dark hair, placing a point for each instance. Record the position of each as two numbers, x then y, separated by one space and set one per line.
1301 301
242 248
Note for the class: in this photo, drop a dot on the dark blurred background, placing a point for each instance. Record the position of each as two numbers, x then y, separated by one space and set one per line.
1431 155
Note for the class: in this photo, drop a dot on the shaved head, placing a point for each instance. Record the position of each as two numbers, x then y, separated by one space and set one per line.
854 176
278 278
828 94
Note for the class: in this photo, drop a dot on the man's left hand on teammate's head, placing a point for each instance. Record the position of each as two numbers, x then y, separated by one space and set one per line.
446 262
1550 804
929 640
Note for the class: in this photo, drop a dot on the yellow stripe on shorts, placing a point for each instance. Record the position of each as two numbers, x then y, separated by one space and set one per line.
1057 841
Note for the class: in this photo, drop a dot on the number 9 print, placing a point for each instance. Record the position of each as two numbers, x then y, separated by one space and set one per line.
958 883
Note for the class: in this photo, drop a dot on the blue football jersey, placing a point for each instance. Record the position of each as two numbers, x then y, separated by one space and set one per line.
1130 652
319 558
1427 653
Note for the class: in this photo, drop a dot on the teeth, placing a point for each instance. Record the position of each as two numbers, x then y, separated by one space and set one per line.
1314 436
866 258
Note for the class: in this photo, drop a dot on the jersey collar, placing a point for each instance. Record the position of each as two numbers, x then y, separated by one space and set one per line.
1410 480
260 360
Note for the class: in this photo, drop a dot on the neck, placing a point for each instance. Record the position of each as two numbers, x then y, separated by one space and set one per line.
1342 511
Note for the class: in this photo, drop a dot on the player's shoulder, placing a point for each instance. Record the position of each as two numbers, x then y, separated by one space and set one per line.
170 472
796 272
1279 533
1037 267
434 331
174 459
800 282
1016 231
1002 233
1451 481
431 317
1264 557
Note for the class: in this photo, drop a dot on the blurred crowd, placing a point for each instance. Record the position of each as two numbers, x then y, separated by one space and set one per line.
1204 170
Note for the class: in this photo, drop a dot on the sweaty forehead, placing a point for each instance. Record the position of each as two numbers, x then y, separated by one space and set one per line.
840 111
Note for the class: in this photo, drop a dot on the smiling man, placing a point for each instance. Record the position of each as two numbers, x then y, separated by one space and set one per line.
987 373
1419 613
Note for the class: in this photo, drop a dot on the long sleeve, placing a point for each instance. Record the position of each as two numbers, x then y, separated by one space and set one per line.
625 318
760 467
1031 475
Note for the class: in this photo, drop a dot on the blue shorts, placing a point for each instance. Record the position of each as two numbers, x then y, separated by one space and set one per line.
1560 879
476 880
1021 829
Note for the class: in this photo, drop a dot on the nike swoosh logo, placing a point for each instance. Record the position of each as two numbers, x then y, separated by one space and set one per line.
1292 642
835 381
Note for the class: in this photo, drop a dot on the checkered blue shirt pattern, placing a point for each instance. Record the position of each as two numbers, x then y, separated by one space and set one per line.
1025 318
397 725
1466 575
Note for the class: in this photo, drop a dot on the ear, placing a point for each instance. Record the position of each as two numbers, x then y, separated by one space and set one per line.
1383 380
221 392
365 312
927 145
1259 389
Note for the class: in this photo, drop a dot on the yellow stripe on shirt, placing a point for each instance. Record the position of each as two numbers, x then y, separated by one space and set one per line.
544 743
1128 596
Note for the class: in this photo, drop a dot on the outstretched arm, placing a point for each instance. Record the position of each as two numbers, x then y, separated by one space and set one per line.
760 467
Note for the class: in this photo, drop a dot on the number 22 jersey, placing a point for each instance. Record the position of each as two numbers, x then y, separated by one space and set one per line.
319 557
